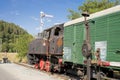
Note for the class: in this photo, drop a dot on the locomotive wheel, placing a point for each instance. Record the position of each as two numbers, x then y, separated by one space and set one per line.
30 59
47 66
36 66
42 64
100 75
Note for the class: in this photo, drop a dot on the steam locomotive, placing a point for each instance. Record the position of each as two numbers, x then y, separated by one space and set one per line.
59 47
47 50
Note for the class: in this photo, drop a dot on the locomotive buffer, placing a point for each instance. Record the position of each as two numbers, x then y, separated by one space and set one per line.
86 47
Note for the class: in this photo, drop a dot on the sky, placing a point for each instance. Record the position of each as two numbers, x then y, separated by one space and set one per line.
26 13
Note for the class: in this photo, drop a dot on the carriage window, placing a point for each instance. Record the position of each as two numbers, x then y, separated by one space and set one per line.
57 31
46 34
40 35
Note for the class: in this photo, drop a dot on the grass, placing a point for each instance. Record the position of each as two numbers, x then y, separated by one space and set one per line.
12 57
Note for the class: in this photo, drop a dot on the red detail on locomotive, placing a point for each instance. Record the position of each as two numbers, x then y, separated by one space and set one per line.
47 66
60 61
106 63
36 66
41 64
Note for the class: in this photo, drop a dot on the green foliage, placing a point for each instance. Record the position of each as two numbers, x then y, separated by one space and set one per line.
9 33
22 44
73 15
92 6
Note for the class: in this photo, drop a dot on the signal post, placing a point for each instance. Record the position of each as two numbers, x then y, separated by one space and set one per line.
86 47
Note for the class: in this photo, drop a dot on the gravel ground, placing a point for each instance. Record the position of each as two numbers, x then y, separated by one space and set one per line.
22 73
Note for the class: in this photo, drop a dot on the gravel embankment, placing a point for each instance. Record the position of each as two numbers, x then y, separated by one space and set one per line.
22 73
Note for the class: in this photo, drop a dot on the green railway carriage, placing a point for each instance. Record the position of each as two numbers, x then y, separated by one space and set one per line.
104 34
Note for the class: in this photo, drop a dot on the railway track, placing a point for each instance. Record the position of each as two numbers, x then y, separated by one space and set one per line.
63 76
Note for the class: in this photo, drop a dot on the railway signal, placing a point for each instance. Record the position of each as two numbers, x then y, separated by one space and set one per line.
86 47
43 15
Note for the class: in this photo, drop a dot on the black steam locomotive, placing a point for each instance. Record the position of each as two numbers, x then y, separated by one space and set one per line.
47 50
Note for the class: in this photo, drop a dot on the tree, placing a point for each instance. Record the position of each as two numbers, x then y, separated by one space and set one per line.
0 44
9 32
73 15
92 6
22 44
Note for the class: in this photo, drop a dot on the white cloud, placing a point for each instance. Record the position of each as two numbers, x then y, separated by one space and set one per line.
56 23
17 14
34 18
37 28
48 20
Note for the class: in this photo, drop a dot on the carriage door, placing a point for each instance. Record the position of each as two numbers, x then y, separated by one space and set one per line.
77 43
